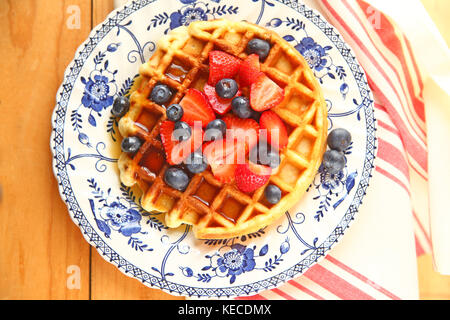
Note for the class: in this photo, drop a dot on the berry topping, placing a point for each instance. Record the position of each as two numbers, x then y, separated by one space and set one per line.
333 161
120 106
226 88
196 163
131 144
177 151
250 176
176 178
265 94
264 154
174 112
272 194
182 131
249 70
222 65
161 94
218 104
241 107
196 108
276 130
260 47
339 139
245 130
215 130
222 156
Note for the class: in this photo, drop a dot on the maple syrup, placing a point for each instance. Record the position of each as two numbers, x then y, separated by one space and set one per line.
152 162
147 120
176 71
231 209
206 193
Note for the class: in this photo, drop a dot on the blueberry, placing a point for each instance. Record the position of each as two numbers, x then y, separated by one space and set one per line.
333 161
131 144
272 194
182 131
120 106
260 47
226 88
174 112
264 154
161 94
196 163
215 130
176 178
339 139
241 107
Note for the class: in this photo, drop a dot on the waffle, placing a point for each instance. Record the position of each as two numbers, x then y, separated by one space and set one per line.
217 210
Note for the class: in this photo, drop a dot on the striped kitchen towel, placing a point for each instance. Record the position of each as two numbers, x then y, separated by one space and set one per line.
376 259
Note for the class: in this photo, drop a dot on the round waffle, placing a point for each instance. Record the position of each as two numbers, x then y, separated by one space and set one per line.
218 210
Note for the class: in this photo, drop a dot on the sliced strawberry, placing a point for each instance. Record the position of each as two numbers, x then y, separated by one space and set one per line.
249 70
218 104
276 130
222 65
245 130
223 156
251 176
177 151
265 94
196 108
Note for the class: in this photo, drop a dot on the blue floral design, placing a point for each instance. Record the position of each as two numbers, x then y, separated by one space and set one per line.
119 217
333 185
313 53
188 15
238 260
96 93
234 259
193 10
120 214
330 181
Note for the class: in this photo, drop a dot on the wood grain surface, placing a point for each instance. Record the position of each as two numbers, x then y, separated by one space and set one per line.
43 254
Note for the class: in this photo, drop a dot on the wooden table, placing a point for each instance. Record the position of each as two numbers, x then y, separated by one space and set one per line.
41 250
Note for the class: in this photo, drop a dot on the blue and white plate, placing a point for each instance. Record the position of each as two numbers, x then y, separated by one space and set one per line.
86 145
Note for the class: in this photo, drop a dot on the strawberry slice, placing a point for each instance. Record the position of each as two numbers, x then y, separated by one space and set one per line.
265 94
222 65
218 104
251 176
245 130
177 151
196 108
249 70
277 134
222 156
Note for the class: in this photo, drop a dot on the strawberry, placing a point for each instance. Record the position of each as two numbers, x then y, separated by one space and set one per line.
177 151
219 105
276 130
222 65
222 156
245 130
251 176
249 70
196 108
265 94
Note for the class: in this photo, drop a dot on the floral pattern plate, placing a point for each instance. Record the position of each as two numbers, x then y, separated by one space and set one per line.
86 145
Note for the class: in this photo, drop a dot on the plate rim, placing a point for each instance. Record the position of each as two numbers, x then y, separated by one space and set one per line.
158 284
